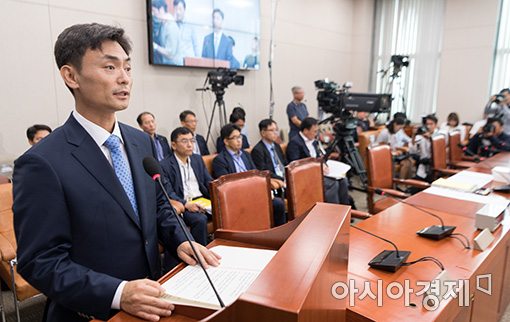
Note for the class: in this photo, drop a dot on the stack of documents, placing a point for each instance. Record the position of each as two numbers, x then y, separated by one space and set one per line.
466 181
238 269
337 169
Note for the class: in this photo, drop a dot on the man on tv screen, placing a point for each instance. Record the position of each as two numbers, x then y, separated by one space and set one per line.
217 45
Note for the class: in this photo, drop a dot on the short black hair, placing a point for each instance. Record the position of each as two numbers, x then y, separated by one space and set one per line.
307 123
495 119
431 117
236 116
218 11
227 130
400 114
184 115
239 109
397 120
453 117
31 131
74 41
139 117
160 3
265 123
176 2
178 132
504 90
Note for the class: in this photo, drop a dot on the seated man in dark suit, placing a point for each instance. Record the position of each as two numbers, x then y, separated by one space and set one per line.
186 178
268 155
304 145
189 120
86 214
238 118
147 123
233 160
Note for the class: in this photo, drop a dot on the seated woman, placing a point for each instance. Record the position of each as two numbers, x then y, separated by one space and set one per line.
393 135
452 124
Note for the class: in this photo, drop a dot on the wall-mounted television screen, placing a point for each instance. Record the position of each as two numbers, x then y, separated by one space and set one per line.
204 33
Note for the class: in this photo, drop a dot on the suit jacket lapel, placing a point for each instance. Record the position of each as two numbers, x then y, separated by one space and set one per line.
178 187
90 156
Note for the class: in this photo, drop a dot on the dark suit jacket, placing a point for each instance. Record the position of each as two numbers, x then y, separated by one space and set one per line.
164 144
262 158
202 145
173 181
220 145
224 164
296 149
224 49
77 233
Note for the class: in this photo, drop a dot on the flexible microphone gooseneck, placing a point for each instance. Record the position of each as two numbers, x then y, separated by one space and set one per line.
153 169
435 232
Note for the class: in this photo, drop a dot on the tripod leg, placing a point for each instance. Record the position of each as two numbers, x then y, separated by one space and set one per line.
210 122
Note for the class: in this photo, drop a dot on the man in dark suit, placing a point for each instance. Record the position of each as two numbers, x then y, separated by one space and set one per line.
189 121
233 160
237 117
86 216
304 145
268 155
147 123
186 178
216 44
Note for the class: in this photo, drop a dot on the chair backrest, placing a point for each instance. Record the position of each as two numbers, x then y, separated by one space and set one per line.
455 151
6 215
242 201
304 186
284 148
4 179
364 139
438 148
208 161
380 167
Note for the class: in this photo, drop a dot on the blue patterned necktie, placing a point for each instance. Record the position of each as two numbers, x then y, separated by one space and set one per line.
121 168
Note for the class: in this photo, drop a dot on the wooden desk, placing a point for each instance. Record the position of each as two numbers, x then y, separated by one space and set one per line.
399 224
295 285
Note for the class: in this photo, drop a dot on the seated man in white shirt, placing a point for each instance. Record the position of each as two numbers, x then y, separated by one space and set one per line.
186 179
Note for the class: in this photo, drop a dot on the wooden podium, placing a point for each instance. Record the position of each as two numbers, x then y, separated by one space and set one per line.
313 252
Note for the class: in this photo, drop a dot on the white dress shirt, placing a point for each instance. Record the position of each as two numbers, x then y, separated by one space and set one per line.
100 135
189 180
309 145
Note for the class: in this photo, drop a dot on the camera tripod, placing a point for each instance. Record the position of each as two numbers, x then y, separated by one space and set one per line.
219 104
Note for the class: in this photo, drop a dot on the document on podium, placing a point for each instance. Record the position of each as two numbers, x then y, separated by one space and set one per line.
238 268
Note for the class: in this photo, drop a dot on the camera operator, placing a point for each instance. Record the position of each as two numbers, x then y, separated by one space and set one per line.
490 139
499 107
393 135
420 146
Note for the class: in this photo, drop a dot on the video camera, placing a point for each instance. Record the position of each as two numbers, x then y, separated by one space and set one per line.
220 78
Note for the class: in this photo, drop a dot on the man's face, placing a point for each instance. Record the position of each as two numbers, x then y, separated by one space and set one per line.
184 144
431 125
311 134
299 94
179 12
506 95
217 21
190 122
39 135
270 133
497 128
234 141
148 124
104 82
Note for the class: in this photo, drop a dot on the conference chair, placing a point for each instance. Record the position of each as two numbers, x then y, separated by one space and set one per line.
284 148
380 176
208 161
242 201
456 155
4 179
305 188
364 141
20 288
439 164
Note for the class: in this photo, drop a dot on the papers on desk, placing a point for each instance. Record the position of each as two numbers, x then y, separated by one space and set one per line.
238 269
467 196
337 169
466 181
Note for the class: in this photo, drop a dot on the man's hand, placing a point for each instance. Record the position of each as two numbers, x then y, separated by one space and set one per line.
141 298
193 207
277 184
208 257
325 169
178 206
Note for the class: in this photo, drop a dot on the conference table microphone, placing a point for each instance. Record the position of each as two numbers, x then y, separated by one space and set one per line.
387 260
436 232
153 169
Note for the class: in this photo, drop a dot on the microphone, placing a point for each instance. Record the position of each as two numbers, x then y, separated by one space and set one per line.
202 89
435 232
387 260
153 169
